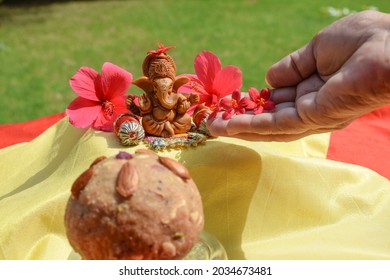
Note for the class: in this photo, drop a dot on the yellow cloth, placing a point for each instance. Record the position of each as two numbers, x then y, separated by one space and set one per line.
261 200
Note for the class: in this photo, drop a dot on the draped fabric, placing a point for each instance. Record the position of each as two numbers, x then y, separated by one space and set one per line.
325 196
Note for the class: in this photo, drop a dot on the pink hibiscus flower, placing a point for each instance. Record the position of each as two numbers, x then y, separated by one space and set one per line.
234 106
212 82
101 98
259 101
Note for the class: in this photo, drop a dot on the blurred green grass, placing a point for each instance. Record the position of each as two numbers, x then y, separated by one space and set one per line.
42 46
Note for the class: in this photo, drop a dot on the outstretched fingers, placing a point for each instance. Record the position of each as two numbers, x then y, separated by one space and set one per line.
284 120
293 68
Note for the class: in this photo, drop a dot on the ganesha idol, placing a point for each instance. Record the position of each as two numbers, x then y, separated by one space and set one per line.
162 108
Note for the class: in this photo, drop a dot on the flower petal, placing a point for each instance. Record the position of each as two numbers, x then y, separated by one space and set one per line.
258 110
86 83
228 114
115 80
269 105
194 85
239 111
236 95
265 93
213 114
104 122
82 112
247 103
227 80
119 103
207 66
214 100
226 103
253 93
205 98
186 88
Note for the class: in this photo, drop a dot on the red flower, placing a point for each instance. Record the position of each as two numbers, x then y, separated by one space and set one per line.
234 105
161 49
259 101
212 82
101 98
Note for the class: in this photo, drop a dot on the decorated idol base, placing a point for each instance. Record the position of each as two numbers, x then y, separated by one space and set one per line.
207 248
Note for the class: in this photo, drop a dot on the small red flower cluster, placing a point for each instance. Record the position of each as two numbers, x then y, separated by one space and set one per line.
257 101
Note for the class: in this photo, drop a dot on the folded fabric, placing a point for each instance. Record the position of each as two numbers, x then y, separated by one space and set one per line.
261 200
364 142
15 133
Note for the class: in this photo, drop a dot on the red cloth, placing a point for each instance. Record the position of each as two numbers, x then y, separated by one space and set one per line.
364 142
26 131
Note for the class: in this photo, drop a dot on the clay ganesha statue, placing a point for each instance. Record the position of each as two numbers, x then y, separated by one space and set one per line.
162 108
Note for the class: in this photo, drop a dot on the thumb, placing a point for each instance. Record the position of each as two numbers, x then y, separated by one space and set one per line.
293 68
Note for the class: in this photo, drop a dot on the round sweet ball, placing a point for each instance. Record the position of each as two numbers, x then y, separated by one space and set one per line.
134 206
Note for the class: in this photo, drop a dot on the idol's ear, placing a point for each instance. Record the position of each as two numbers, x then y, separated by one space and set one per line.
144 83
179 82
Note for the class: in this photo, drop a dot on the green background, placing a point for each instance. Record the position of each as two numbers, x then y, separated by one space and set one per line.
43 43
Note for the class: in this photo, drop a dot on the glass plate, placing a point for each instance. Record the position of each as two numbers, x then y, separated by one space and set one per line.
207 248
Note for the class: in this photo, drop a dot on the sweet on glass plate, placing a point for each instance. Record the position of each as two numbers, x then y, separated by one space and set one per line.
207 248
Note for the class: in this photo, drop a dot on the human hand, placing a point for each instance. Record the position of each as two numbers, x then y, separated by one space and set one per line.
341 74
